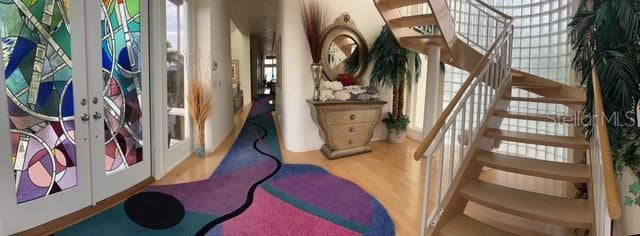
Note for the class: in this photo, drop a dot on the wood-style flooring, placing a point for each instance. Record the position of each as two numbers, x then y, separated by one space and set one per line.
389 174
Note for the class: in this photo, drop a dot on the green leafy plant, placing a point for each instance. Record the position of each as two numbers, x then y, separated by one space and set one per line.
627 154
605 37
634 198
391 69
399 124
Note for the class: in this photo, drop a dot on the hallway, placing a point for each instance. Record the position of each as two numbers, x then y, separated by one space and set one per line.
247 194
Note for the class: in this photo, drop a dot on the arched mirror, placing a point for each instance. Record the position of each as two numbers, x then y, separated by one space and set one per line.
344 50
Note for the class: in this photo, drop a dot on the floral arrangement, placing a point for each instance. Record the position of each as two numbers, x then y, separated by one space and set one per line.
347 79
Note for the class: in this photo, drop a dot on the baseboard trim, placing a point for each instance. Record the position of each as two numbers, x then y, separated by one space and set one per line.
87 212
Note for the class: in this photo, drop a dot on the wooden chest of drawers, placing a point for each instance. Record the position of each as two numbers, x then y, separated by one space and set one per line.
346 127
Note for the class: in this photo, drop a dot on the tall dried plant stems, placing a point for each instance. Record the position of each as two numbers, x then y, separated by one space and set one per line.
199 101
199 98
314 21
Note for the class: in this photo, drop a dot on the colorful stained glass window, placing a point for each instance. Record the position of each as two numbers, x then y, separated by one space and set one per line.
36 47
121 55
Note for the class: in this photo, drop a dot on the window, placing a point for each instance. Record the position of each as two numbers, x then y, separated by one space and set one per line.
270 74
176 70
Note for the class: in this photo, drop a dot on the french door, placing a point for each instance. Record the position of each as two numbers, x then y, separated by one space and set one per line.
74 106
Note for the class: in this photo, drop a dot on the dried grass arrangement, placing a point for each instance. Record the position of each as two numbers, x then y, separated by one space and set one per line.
199 100
314 21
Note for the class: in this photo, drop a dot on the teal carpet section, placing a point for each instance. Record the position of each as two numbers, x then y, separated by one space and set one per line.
115 222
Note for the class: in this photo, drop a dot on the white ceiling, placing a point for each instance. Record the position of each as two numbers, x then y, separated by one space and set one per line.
256 17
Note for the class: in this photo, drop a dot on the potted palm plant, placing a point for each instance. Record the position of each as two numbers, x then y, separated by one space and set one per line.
605 37
391 70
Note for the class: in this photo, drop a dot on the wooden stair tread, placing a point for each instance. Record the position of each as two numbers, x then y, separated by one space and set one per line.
400 3
535 117
533 167
462 225
565 101
574 213
412 21
422 40
540 139
529 85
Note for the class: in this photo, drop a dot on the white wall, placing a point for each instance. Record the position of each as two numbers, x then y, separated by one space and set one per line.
300 133
1 227
213 41
241 50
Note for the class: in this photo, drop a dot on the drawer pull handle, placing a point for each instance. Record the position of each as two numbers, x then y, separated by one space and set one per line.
350 142
352 129
353 117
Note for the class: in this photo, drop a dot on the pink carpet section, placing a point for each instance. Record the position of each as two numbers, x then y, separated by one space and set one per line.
282 219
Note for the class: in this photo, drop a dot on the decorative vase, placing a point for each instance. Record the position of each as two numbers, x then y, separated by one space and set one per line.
316 74
199 142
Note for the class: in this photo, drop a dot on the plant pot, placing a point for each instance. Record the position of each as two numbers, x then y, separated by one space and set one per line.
396 136
628 223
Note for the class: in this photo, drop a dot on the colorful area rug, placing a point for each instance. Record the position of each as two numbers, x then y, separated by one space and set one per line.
250 193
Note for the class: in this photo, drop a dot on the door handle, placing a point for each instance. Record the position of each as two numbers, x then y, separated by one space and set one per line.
85 117
97 115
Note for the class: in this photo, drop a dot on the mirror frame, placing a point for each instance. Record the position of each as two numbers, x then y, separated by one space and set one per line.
344 26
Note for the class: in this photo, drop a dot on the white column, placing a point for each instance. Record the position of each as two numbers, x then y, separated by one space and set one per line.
431 106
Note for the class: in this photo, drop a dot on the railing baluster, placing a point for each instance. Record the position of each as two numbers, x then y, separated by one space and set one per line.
486 34
440 171
427 193
472 131
463 138
479 112
486 92
452 150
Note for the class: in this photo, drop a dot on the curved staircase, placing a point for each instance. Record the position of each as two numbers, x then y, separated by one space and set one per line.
476 113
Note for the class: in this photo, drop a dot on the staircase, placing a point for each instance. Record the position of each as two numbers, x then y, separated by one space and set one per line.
464 139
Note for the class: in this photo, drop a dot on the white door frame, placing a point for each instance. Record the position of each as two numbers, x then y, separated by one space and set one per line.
104 185
20 217
167 158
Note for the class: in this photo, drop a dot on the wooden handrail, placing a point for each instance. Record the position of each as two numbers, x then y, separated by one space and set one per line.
610 186
428 140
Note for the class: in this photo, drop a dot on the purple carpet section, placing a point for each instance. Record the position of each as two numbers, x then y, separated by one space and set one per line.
221 194
317 197
335 195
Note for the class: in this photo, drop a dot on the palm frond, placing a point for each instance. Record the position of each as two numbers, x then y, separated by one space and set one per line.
391 62
604 36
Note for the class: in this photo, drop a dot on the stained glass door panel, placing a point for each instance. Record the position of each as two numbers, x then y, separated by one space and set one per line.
121 57
45 166
36 46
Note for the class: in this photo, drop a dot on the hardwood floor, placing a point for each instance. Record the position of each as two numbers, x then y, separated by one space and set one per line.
196 168
389 174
